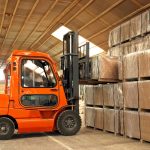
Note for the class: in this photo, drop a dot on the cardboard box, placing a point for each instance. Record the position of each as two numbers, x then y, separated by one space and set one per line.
108 95
90 116
108 67
132 124
89 99
130 66
99 118
144 63
114 36
146 21
94 68
145 125
130 92
136 45
116 51
118 95
125 31
109 119
98 95
144 94
135 26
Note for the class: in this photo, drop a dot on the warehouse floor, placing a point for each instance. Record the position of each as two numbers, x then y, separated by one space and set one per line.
87 139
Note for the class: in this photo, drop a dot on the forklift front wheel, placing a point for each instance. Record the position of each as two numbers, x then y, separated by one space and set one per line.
68 123
7 128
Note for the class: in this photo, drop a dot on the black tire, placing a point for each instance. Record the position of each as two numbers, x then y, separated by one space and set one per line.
68 123
7 128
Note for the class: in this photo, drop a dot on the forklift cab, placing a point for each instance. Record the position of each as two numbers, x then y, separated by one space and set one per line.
34 96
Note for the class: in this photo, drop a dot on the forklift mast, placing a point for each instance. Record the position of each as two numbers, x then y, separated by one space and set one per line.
74 60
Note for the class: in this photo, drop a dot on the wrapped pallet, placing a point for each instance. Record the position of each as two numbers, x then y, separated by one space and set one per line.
118 95
145 122
109 120
94 68
132 124
135 26
114 36
115 51
89 100
144 94
144 63
146 42
108 94
130 92
125 48
119 126
136 45
108 68
98 95
146 21
125 31
99 118
130 66
90 116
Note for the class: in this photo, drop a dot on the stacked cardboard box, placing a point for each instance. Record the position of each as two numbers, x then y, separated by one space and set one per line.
132 124
104 67
125 107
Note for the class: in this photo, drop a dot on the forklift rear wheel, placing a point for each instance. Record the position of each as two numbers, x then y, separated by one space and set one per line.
7 128
68 123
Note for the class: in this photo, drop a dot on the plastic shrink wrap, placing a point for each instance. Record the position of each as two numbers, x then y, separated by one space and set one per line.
135 26
144 94
144 63
90 116
108 94
108 67
132 124
118 95
114 36
125 31
130 66
99 118
146 21
89 100
98 95
145 122
130 92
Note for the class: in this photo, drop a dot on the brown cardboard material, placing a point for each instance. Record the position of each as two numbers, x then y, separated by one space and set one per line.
130 92
125 31
94 67
89 100
144 94
144 63
108 67
98 95
145 125
114 36
109 119
118 95
99 116
90 116
132 124
108 95
130 66
135 26
146 21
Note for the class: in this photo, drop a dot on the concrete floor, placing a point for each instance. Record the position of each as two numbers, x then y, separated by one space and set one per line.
86 139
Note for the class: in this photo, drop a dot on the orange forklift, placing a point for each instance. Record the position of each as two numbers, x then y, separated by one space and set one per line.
36 99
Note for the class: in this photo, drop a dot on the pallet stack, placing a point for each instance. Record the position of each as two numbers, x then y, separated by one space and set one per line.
132 45
104 103
124 107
